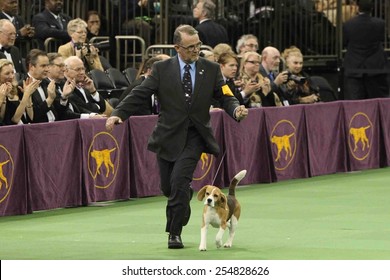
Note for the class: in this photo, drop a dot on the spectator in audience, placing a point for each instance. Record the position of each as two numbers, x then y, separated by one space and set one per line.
220 49
14 110
137 19
10 10
77 29
151 106
329 8
7 48
256 88
210 32
64 88
44 96
269 67
207 54
365 62
51 22
246 43
84 95
229 67
298 89
94 25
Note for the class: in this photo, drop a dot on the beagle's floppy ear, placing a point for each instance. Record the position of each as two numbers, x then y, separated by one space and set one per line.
201 193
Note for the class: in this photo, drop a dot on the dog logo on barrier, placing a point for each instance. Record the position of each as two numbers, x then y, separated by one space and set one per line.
103 159
204 166
360 136
6 173
103 156
282 143
283 138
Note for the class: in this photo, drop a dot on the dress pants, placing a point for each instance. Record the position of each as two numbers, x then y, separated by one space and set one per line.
176 178
366 87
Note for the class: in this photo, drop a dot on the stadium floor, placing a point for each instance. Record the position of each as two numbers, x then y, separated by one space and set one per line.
333 217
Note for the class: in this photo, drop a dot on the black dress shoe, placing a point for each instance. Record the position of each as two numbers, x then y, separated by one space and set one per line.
187 213
174 242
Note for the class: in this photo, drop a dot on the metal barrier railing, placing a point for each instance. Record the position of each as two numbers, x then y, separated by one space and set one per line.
129 47
100 40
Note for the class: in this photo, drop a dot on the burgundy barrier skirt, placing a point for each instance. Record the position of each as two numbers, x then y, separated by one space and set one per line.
74 163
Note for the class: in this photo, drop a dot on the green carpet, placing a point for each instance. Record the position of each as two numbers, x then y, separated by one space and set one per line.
333 217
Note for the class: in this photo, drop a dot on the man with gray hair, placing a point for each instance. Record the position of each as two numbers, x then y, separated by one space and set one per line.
247 43
210 32
7 48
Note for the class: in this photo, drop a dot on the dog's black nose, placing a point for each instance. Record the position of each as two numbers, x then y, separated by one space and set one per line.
209 200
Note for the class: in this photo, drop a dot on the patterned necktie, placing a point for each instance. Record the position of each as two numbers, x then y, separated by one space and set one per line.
271 76
60 21
187 83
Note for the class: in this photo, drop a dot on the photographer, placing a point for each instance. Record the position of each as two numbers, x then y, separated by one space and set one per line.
89 54
298 88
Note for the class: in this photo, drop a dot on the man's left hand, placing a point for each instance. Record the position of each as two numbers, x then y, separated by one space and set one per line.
241 113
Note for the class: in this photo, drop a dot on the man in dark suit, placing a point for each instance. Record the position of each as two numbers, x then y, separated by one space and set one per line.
9 10
44 97
210 32
7 48
85 95
51 23
365 62
185 86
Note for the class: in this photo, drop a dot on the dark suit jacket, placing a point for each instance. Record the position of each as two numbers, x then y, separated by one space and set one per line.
47 26
40 107
212 33
92 106
169 136
17 60
363 36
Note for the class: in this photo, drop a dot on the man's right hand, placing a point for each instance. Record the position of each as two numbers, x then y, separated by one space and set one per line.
111 121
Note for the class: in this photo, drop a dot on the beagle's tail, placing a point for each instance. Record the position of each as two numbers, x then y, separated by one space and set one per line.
234 182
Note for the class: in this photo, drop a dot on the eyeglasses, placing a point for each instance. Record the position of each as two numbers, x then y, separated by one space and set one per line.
12 34
252 46
78 69
191 48
253 62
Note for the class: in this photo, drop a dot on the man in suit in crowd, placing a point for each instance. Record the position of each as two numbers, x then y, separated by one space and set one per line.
51 23
64 88
44 97
185 86
10 10
85 95
210 32
365 62
7 48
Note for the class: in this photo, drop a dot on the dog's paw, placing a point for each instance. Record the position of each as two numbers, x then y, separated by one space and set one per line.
227 245
202 248
218 243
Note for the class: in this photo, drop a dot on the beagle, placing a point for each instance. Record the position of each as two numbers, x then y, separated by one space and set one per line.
220 211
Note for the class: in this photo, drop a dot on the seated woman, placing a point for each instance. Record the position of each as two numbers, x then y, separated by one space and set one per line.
298 89
77 30
15 108
256 89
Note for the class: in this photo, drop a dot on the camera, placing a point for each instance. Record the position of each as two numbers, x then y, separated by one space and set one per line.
295 78
102 46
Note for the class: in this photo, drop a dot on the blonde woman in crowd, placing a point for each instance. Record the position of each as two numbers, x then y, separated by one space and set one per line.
77 30
14 110
220 49
256 88
298 89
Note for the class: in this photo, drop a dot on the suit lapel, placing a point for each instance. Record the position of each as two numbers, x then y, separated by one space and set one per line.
199 79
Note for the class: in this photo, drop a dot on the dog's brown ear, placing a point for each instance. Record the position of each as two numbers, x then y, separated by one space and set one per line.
201 193
223 201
